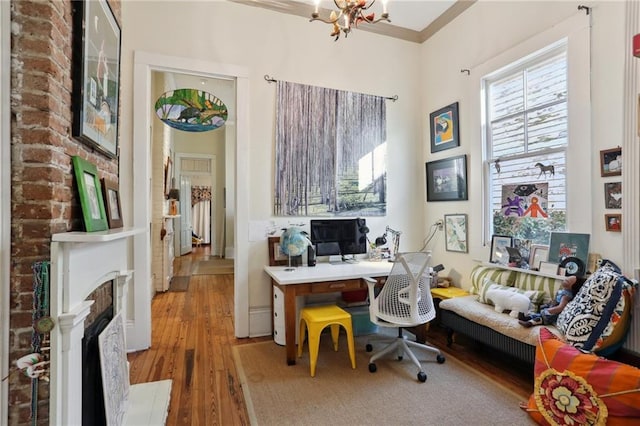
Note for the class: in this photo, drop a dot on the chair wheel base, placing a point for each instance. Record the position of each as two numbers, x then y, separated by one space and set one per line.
440 359
422 377
372 368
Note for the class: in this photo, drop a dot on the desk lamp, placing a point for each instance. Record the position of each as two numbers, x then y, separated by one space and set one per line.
382 240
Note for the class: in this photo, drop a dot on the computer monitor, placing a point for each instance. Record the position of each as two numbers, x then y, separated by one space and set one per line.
332 237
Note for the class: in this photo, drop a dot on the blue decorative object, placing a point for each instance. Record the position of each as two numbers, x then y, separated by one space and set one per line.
294 242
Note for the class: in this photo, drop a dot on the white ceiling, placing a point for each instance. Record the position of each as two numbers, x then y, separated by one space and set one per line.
411 20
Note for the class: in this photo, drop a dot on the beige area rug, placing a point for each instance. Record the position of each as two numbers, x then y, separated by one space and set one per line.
213 266
277 394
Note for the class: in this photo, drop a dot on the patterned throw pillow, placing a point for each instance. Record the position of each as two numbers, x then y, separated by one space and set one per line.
536 297
572 387
547 285
599 308
497 275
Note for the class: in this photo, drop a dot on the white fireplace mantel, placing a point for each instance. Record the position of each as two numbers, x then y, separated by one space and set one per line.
80 263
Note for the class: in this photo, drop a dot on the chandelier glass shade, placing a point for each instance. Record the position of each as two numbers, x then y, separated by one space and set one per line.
350 13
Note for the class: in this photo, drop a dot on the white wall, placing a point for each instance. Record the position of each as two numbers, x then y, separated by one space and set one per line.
483 32
287 48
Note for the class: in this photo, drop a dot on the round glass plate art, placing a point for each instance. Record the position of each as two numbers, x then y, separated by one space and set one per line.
191 110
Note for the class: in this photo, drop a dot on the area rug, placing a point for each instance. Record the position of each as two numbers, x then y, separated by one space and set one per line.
179 283
213 266
454 394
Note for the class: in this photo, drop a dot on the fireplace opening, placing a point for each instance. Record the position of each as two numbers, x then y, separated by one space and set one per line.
93 413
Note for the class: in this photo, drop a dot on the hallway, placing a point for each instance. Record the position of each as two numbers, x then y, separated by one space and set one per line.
192 337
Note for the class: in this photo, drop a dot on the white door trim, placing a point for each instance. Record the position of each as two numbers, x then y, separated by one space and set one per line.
144 64
5 205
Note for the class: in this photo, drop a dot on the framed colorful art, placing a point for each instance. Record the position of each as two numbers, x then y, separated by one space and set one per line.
444 128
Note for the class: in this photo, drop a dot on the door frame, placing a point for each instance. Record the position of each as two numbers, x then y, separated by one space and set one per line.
144 64
5 204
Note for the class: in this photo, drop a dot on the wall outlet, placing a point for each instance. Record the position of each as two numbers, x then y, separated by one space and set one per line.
440 224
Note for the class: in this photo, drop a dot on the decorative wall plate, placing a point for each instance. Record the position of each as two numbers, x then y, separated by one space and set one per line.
191 110
573 266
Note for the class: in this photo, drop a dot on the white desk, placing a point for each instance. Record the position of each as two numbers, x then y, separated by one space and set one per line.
322 278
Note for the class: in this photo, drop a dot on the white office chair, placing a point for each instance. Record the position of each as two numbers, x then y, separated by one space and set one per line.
404 301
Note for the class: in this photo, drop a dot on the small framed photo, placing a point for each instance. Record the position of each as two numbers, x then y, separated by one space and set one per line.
112 203
611 162
96 80
444 128
549 268
613 195
455 230
539 253
276 256
447 179
90 192
499 253
613 222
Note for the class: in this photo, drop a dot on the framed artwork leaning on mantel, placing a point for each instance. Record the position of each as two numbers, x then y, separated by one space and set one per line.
90 193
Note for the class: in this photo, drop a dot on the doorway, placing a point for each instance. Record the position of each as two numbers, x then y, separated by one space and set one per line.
237 189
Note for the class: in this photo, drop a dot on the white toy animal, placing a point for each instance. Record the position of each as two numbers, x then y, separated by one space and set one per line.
508 300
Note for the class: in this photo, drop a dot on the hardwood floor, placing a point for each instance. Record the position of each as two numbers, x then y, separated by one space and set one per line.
192 339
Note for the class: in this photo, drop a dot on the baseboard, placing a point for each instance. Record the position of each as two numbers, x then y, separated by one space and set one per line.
260 320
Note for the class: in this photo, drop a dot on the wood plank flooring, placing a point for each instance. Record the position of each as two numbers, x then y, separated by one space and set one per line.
192 339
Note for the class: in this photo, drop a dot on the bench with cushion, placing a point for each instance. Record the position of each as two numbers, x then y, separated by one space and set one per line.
606 291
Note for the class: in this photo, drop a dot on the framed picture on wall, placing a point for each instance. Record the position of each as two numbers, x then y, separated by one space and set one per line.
613 222
447 179
455 231
96 80
90 192
611 162
613 195
444 128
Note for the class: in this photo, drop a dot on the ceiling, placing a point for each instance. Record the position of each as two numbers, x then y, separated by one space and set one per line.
411 20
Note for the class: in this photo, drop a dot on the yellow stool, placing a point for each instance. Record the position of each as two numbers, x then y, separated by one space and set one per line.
316 318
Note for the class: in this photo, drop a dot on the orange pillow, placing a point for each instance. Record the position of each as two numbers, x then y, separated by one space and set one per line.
573 387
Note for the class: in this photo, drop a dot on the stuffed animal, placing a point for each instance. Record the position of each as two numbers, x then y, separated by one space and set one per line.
508 300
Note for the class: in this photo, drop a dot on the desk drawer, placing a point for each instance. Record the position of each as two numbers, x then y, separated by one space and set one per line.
332 286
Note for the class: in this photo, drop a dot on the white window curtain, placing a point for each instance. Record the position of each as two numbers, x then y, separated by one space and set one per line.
201 212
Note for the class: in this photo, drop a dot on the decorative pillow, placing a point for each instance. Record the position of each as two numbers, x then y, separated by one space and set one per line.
572 387
496 275
536 297
596 311
547 285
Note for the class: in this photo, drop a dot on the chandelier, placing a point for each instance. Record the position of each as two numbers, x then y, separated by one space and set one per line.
350 14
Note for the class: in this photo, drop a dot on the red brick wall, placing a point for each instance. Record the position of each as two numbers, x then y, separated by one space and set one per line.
43 196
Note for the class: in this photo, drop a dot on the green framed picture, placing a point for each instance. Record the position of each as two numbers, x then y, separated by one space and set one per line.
90 191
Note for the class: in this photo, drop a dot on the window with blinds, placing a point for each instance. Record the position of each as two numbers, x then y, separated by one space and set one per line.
526 124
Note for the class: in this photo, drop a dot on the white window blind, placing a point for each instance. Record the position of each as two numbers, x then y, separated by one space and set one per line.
526 107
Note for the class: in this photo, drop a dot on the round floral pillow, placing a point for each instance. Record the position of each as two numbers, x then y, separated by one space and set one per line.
576 388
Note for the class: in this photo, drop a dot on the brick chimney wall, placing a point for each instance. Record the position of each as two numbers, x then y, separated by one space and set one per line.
44 197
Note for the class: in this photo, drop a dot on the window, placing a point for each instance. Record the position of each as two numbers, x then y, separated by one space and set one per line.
526 125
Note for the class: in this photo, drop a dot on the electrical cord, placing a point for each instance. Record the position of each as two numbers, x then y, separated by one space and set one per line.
432 233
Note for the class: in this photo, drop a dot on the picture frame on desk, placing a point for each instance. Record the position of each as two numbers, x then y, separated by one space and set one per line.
276 256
